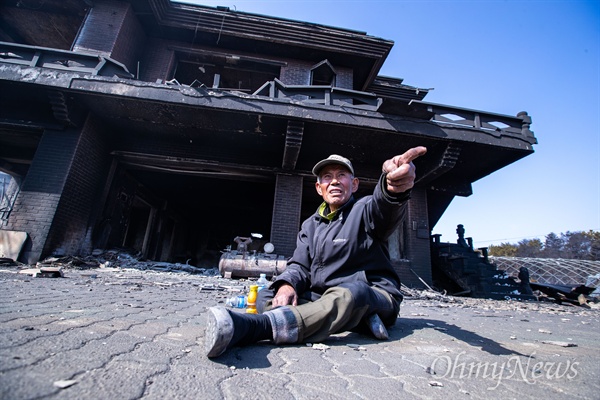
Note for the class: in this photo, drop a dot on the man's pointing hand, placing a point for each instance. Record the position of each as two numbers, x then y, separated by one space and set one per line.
401 171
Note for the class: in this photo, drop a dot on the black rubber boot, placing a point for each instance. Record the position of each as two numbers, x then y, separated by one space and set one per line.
377 327
226 329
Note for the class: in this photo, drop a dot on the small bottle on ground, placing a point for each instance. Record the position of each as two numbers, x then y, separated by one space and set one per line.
251 307
262 282
237 301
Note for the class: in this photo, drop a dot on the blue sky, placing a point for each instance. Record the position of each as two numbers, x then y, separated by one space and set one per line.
506 56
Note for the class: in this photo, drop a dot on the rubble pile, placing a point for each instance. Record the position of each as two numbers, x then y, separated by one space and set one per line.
121 259
541 299
428 294
127 265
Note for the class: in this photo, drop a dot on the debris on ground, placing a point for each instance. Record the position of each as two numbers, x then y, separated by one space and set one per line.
577 295
43 272
557 343
120 259
428 294
574 294
7 262
64 383
320 346
356 347
136 272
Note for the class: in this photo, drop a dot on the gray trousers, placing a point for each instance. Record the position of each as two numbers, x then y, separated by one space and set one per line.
341 308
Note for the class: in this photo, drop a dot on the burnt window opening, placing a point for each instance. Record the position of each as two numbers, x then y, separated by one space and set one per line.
4 182
227 73
9 189
323 74
139 226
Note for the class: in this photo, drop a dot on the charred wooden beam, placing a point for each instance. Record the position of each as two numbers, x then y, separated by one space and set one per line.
189 166
293 142
207 168
238 24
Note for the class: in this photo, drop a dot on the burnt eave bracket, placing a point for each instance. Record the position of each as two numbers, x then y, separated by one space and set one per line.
59 107
293 142
447 162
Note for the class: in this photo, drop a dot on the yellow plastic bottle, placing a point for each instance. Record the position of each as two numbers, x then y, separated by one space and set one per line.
251 309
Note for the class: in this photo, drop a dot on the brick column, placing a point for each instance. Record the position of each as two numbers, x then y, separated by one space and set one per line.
59 192
113 30
35 206
287 206
70 232
417 241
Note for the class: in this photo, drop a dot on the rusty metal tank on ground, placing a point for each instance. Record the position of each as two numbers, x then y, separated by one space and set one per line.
235 264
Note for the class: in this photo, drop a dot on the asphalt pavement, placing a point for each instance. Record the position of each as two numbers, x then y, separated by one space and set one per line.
113 333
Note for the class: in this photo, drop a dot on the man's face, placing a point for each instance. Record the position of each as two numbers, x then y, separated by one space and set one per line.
336 184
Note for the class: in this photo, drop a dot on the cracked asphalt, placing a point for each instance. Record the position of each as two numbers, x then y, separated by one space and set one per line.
129 334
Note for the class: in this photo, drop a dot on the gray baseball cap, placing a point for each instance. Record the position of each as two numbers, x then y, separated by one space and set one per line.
332 159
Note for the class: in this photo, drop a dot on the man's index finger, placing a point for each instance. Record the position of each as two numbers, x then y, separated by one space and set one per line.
412 154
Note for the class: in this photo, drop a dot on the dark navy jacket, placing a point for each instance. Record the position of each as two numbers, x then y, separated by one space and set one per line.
351 247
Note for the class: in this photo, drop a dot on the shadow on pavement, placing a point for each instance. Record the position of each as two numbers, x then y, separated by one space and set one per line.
406 327
252 357
256 356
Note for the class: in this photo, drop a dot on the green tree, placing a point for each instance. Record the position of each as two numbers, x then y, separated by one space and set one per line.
503 250
552 246
529 248
576 245
594 245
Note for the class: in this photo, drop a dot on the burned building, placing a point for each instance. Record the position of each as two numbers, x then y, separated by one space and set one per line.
171 129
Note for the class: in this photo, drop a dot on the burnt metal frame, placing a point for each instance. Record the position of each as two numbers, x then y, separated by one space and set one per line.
35 56
518 125
321 94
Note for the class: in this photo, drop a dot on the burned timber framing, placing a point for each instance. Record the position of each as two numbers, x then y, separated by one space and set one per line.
170 129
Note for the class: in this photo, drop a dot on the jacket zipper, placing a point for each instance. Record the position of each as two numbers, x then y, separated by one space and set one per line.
321 246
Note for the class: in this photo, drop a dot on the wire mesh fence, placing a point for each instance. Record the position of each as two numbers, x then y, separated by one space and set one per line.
554 271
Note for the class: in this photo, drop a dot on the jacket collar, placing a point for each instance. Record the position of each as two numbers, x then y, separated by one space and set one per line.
323 210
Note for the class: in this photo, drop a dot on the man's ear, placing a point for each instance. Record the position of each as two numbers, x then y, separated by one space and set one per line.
318 187
355 183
